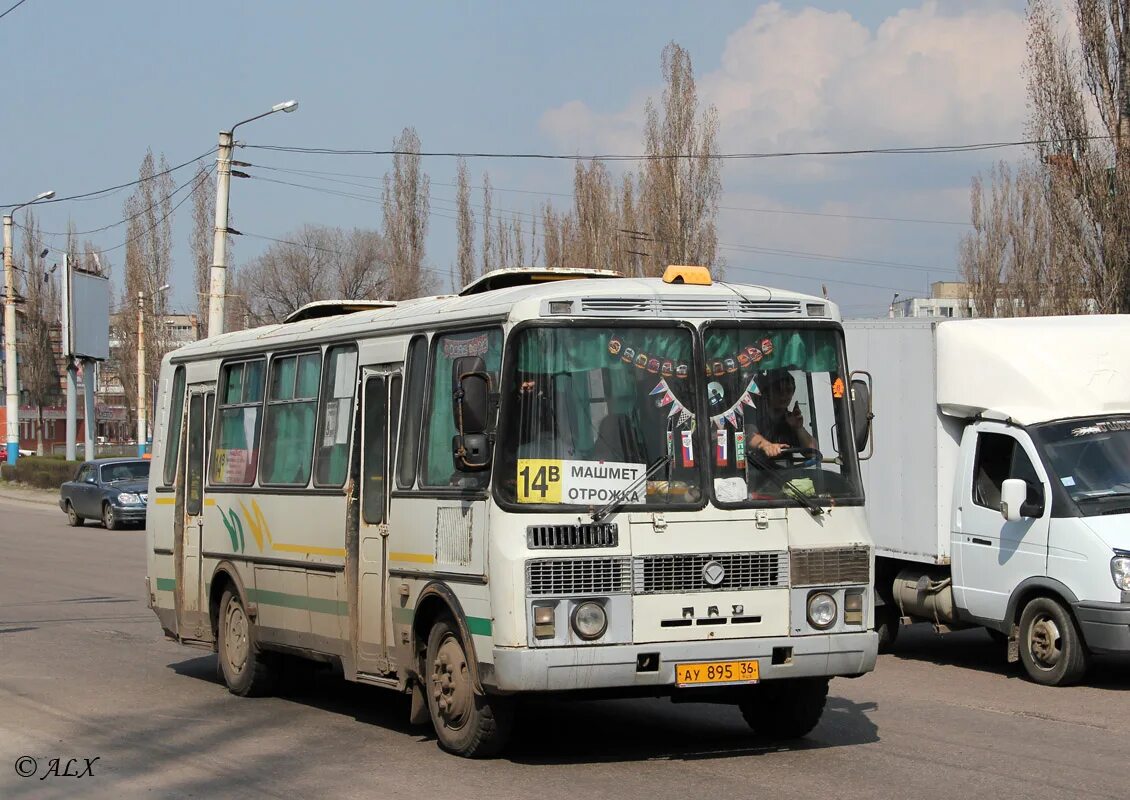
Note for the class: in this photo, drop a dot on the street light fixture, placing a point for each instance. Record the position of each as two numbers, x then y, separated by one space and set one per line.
11 376
217 285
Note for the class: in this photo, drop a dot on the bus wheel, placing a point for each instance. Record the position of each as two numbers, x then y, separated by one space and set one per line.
1051 648
109 519
245 669
466 722
785 709
73 519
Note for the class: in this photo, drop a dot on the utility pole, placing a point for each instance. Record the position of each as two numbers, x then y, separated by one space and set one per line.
218 278
141 411
11 376
72 379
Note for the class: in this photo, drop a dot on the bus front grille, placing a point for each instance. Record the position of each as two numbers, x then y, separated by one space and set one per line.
728 571
567 537
828 566
578 576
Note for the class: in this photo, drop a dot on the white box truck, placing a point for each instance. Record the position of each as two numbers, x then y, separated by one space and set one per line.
999 485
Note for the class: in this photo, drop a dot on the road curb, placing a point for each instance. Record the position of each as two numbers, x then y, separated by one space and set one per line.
38 496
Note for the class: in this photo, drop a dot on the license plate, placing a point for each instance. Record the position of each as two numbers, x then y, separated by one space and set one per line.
716 672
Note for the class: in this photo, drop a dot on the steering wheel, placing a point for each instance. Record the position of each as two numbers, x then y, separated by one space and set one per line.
798 457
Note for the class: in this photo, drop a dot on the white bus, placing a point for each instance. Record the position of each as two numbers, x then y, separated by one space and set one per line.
557 481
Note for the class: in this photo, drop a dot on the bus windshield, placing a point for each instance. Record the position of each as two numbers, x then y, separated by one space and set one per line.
589 409
778 413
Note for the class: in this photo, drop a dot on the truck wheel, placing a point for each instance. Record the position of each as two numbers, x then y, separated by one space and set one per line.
109 518
467 723
73 519
1051 648
785 709
887 624
245 669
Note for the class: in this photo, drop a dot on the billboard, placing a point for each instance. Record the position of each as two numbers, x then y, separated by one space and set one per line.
89 331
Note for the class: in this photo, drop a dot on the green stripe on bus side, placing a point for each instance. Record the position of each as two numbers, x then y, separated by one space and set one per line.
478 626
166 584
316 604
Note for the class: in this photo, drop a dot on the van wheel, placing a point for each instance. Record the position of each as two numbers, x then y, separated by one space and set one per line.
466 722
245 669
785 709
1051 648
109 518
73 519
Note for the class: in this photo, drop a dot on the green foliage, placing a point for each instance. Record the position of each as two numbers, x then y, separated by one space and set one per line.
42 472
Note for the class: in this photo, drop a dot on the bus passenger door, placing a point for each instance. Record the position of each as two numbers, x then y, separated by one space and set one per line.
380 416
192 616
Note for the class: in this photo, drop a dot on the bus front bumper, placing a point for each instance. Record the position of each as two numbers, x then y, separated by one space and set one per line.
553 669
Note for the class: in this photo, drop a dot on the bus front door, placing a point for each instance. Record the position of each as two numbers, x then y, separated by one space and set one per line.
372 625
192 608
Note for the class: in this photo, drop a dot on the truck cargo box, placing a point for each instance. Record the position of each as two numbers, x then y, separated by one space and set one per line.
909 479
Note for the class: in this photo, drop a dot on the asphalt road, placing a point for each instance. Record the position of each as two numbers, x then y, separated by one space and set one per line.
86 674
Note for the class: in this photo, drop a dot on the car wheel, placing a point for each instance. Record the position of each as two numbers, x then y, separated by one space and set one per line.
109 518
1051 648
73 519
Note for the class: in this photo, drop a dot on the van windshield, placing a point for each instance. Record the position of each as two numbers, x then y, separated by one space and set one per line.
589 409
1091 460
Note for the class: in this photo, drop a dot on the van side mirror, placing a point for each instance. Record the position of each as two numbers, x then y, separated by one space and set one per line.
1019 500
470 402
862 412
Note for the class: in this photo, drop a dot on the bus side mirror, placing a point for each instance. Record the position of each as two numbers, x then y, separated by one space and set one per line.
470 402
862 412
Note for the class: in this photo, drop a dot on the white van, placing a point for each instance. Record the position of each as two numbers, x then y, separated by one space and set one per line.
999 487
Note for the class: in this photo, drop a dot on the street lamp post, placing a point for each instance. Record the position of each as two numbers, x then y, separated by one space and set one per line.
142 411
11 377
217 284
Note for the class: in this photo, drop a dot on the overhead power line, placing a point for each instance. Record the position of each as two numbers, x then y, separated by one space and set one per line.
13 8
915 150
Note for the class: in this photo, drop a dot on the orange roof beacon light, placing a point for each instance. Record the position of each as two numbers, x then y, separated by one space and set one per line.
680 273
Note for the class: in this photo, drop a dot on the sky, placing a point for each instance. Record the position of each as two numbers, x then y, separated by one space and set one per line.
90 86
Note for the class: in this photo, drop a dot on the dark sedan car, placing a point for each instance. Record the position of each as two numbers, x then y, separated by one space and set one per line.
114 491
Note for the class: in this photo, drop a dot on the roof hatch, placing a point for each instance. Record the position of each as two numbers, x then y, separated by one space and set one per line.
335 308
507 278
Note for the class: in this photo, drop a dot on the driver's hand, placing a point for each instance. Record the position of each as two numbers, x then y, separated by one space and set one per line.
773 450
794 417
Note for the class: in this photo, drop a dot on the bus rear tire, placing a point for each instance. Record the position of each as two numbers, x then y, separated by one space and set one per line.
467 723
245 669
785 709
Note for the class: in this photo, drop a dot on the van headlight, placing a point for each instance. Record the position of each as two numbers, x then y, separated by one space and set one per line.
590 621
1120 571
822 610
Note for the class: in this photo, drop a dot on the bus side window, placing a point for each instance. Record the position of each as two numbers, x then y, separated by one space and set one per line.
409 446
240 420
335 416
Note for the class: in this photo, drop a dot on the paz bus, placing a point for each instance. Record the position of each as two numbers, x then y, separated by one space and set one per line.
557 481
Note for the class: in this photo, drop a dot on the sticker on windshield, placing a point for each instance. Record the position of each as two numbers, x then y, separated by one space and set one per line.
1102 427
1067 481
549 480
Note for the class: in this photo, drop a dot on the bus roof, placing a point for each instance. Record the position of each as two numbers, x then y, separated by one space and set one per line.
607 298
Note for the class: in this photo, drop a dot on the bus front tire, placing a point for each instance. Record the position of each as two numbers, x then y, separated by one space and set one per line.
1051 647
785 709
245 669
466 722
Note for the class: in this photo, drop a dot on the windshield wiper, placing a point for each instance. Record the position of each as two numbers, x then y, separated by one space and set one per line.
787 487
1094 498
621 497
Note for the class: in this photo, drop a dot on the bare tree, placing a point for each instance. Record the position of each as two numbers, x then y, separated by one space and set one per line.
203 236
490 260
406 208
680 181
39 368
594 204
465 222
314 263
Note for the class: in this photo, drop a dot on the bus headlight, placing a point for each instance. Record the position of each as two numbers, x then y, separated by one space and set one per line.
1120 571
590 620
821 610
